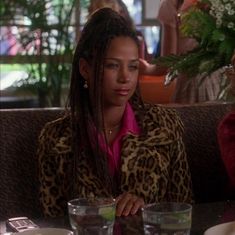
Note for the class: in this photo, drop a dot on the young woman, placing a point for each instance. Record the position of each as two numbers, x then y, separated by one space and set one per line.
110 143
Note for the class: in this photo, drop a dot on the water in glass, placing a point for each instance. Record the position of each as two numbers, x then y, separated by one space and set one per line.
167 219
88 218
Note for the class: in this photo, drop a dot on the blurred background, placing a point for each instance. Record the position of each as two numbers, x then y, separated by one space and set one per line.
37 39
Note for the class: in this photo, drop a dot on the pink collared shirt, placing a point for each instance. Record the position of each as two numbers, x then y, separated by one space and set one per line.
129 125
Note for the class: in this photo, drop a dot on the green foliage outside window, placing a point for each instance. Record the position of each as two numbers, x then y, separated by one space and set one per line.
46 33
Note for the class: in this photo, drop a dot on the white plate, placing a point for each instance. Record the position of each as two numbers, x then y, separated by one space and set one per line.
222 229
46 231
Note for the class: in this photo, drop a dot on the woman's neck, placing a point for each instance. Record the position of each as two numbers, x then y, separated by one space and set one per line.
112 122
113 117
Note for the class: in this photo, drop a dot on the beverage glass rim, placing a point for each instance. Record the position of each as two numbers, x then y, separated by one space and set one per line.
109 203
146 208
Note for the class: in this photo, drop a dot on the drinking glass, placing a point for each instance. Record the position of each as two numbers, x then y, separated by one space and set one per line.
168 218
90 216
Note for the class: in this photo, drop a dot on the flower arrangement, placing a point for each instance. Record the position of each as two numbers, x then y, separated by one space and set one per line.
212 24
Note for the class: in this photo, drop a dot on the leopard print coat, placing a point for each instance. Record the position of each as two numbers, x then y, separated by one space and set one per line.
154 167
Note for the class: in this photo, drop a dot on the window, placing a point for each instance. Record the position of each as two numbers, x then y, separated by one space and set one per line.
37 41
151 31
39 37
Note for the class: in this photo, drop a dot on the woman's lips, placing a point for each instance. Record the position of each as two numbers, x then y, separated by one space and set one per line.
122 92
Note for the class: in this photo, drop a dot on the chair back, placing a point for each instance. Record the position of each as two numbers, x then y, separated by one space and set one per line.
209 177
20 128
19 131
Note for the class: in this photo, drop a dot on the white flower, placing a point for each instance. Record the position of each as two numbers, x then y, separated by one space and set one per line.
218 22
221 8
219 15
228 6
211 13
231 12
230 25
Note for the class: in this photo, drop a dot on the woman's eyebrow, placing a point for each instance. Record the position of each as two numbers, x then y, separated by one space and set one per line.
117 59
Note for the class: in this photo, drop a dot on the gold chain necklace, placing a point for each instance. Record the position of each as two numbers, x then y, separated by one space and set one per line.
110 131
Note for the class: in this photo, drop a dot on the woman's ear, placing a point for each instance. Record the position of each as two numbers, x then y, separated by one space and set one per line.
84 69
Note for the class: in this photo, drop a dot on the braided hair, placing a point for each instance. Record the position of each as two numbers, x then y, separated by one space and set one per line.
103 26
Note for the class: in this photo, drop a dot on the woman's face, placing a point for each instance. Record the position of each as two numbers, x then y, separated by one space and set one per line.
121 68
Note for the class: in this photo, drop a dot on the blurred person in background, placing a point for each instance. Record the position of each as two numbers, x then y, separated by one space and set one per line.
188 90
172 42
120 7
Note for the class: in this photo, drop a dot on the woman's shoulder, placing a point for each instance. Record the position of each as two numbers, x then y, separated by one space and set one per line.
164 117
56 128
161 111
54 142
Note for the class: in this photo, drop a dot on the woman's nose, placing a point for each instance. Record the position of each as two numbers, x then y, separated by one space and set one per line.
124 75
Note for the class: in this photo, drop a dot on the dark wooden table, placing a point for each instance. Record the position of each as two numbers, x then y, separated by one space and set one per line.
203 216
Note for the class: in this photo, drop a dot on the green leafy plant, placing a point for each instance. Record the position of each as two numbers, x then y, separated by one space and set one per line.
46 33
212 24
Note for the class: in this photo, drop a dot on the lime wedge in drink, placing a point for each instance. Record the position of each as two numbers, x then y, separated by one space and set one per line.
107 213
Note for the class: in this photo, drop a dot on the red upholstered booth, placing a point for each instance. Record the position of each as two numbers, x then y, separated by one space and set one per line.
154 91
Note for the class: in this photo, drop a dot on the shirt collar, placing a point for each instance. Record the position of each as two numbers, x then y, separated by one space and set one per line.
129 123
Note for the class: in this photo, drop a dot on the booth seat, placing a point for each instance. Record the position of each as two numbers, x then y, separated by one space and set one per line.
19 130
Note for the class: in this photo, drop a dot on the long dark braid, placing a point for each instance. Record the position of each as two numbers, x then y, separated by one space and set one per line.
104 25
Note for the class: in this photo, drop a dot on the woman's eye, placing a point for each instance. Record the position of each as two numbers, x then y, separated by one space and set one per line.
112 66
133 67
